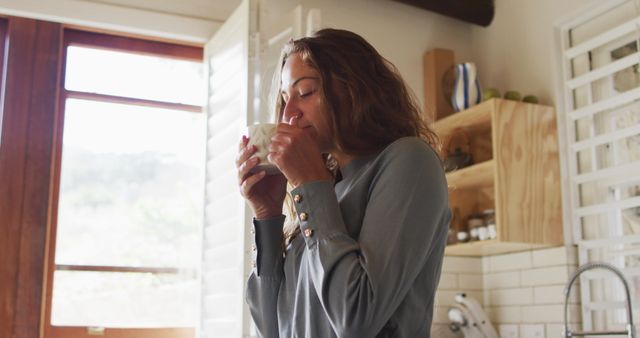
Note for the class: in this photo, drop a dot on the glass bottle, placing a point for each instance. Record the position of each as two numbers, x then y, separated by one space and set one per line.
489 216
475 224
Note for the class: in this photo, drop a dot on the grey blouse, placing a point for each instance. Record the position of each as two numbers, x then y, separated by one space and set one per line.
368 259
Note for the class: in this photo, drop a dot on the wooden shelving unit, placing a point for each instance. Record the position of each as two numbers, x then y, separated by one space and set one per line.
515 148
475 176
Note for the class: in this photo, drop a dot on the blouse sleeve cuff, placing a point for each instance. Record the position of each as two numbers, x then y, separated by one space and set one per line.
267 251
318 211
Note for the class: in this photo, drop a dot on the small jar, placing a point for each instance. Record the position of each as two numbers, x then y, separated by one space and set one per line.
458 232
475 224
462 232
489 216
462 236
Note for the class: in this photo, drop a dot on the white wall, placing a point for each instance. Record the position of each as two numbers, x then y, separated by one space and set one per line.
399 32
517 51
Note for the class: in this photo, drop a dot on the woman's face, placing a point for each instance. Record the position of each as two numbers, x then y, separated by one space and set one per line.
301 93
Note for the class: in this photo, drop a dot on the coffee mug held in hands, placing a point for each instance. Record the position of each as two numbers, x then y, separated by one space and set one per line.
260 136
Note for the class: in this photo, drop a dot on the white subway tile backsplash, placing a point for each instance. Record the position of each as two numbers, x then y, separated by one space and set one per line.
470 281
554 294
519 296
549 313
572 255
521 292
462 264
504 314
554 330
556 275
508 331
485 264
562 255
510 262
502 280
549 257
448 281
532 331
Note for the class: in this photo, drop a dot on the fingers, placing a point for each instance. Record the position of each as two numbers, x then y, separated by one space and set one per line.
250 182
244 161
290 126
244 168
293 121
243 142
245 151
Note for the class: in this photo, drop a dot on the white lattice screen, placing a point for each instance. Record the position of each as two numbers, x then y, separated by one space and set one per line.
601 72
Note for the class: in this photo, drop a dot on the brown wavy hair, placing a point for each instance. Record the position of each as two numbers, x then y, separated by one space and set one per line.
369 104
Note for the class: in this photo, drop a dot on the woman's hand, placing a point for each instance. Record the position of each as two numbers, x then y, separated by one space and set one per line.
264 193
294 151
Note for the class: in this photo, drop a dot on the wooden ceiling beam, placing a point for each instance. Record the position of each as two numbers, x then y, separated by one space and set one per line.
479 12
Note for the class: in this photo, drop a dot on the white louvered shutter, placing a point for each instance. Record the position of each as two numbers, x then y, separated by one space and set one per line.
600 59
241 60
225 260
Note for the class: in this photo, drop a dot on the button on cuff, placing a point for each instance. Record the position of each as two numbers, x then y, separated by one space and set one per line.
318 211
304 216
308 232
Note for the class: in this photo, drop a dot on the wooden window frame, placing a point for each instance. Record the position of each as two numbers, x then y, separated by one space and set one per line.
75 37
4 22
29 98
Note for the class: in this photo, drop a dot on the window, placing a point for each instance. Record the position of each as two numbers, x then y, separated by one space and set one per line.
602 118
126 245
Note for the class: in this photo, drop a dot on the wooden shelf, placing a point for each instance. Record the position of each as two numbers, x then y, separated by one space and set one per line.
488 248
517 175
475 118
475 176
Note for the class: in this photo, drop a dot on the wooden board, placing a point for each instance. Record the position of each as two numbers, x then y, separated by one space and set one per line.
436 63
473 120
488 248
527 173
520 180
475 176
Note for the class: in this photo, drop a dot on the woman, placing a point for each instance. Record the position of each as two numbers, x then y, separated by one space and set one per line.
365 244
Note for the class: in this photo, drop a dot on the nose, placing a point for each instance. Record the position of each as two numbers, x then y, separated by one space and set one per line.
291 109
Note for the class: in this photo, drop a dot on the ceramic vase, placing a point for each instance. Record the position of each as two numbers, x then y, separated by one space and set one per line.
466 87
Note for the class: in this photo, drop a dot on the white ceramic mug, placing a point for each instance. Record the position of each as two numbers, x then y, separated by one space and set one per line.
260 136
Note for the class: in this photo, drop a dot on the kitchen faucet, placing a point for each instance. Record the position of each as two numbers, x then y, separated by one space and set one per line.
630 330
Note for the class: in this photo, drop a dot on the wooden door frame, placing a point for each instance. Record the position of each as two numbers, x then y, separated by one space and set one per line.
29 109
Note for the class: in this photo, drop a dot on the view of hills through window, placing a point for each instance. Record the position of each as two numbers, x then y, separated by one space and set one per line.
131 192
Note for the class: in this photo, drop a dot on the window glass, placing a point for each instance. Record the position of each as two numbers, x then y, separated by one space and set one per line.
133 75
131 195
124 300
131 190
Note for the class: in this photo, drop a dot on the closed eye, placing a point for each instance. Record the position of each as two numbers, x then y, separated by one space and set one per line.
305 94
